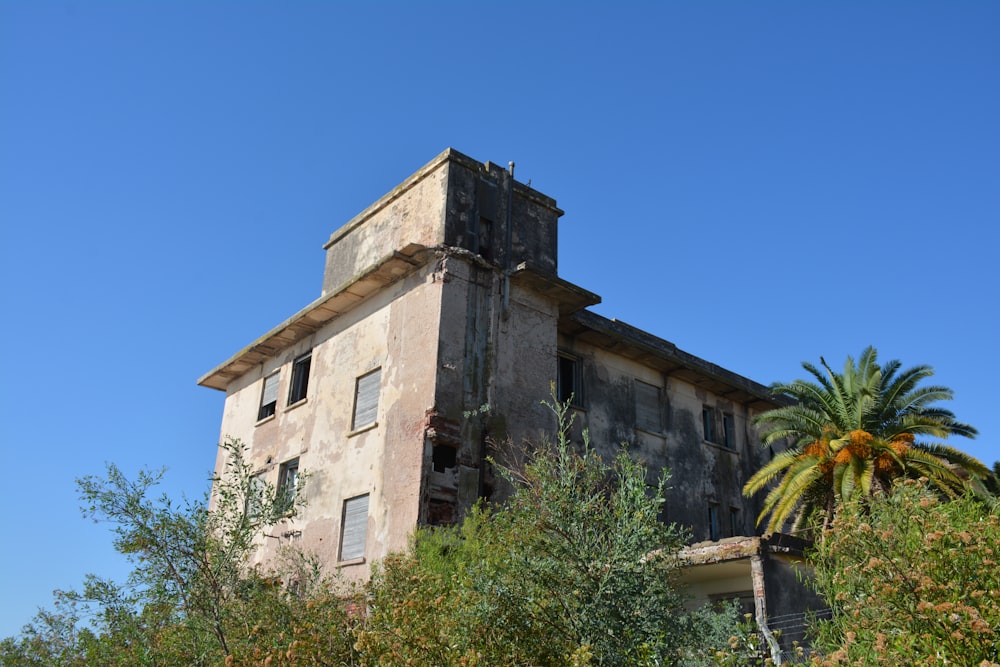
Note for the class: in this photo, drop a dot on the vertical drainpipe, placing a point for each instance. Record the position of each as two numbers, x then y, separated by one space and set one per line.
508 239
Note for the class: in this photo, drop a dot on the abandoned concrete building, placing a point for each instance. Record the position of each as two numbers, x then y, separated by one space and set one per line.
442 297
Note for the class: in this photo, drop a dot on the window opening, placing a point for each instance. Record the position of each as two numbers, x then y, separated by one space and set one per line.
568 384
366 393
708 423
268 396
486 202
288 484
300 378
713 522
444 456
728 431
255 497
648 415
354 528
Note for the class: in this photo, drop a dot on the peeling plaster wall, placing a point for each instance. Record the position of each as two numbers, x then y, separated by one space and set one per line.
441 336
396 331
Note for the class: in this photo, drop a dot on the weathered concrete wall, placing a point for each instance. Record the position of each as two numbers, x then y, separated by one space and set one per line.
703 473
480 199
494 370
451 201
468 314
413 212
395 330
789 599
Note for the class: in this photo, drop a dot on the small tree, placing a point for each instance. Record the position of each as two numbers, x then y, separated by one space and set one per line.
911 580
576 568
191 597
852 433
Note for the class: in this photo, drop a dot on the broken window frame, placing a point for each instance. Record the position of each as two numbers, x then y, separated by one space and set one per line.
299 386
288 484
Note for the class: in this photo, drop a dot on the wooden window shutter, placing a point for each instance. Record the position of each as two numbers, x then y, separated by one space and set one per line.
366 399
648 415
354 529
270 394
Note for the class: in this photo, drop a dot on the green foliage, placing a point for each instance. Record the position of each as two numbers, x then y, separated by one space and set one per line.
853 433
575 568
191 598
912 580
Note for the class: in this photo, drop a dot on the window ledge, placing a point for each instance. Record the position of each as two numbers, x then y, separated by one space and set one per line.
266 419
353 561
658 434
362 429
717 445
301 401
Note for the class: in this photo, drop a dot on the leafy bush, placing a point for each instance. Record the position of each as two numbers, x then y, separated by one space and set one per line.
912 580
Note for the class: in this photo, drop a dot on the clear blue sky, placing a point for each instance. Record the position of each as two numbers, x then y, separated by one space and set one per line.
759 183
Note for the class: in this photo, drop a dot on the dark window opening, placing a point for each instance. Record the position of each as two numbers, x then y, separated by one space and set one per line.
708 423
568 385
713 522
728 431
268 397
300 378
734 522
444 456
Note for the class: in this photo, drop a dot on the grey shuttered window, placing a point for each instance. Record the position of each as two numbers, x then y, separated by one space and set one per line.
354 528
366 399
648 415
268 396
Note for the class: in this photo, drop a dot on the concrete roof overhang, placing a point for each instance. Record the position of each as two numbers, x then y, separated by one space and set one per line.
707 560
570 297
310 319
649 350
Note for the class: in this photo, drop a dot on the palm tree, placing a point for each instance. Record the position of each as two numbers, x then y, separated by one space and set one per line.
855 432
